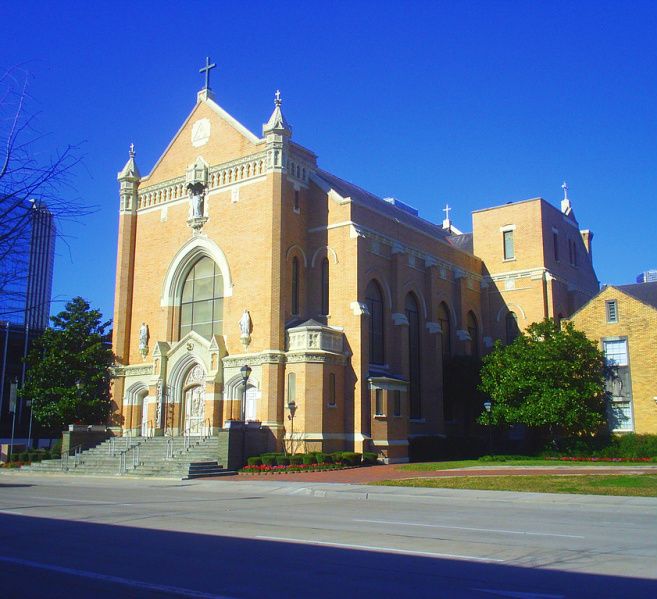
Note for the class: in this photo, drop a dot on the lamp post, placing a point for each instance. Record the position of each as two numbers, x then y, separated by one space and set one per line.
292 406
245 371
488 406
13 391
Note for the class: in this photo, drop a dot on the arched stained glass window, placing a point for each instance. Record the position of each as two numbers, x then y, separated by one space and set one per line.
325 287
512 330
413 316
443 321
473 331
201 306
374 301
295 285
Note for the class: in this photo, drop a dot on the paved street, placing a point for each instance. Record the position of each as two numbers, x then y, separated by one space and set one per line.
98 537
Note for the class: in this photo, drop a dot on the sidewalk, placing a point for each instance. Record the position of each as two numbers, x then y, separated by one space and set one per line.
361 476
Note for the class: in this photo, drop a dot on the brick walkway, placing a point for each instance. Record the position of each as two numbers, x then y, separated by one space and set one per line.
357 476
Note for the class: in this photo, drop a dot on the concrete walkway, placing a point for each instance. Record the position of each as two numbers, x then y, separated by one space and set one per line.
359 476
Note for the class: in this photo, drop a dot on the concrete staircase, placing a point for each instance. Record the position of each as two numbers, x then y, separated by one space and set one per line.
166 457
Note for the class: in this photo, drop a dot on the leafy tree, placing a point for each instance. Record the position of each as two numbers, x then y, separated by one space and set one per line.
68 376
551 379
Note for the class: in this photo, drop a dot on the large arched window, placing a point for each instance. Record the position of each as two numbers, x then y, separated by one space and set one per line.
202 303
295 285
325 287
473 331
443 321
512 330
374 301
413 316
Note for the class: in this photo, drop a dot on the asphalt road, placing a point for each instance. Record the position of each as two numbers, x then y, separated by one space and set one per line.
84 537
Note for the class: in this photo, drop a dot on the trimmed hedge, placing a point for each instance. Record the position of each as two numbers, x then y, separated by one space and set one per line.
309 459
296 459
282 460
268 460
254 461
351 458
370 457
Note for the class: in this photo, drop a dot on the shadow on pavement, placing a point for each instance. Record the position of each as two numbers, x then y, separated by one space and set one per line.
42 557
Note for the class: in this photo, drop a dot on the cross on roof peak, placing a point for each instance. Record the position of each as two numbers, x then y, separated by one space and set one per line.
446 210
132 150
277 98
206 69
564 186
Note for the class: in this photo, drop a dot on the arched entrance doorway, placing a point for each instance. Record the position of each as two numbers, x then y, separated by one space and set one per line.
194 420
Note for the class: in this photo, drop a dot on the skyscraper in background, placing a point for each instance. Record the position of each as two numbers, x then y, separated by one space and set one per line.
648 276
26 272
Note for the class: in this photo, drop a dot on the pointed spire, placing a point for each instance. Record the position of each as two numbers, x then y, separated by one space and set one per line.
130 170
277 122
566 206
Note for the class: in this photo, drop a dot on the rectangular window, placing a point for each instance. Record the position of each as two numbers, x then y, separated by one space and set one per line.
618 385
331 397
509 252
291 388
612 311
555 242
378 402
296 200
396 406
616 352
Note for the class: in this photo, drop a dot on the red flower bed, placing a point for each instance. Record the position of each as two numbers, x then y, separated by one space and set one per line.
263 469
584 459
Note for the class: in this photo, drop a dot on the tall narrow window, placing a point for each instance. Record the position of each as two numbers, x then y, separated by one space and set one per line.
443 321
378 402
612 311
619 385
295 285
325 287
473 331
296 200
331 397
374 301
555 243
396 403
512 329
509 250
201 306
413 316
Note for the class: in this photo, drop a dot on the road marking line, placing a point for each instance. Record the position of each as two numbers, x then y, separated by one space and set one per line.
519 594
67 499
383 549
509 532
113 579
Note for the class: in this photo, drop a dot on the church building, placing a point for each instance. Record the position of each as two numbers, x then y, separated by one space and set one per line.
338 305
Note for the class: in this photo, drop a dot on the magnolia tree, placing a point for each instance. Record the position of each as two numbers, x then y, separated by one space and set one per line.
68 376
550 379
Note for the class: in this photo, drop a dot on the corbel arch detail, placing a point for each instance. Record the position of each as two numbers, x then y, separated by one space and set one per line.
324 250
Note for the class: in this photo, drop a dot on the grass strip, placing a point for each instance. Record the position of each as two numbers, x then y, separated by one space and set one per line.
636 485
450 465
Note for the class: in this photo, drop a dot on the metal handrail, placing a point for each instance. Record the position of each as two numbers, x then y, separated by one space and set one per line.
150 428
187 433
77 452
123 457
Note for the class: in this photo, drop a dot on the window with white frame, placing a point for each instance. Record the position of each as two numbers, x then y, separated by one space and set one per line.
509 249
378 402
618 385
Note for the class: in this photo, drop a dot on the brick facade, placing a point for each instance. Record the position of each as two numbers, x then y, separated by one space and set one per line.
269 211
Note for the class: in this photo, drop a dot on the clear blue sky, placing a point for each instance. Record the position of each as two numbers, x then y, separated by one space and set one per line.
471 103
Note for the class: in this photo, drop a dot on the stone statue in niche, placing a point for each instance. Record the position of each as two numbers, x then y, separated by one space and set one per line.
245 328
197 200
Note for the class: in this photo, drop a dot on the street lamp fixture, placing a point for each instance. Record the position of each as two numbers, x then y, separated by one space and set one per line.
245 371
292 406
488 406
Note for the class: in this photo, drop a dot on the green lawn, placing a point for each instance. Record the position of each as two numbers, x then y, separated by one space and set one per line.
430 466
639 485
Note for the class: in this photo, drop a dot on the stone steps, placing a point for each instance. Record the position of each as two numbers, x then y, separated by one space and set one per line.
200 459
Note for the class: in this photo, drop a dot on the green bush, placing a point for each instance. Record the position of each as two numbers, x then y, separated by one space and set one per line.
370 457
282 460
24 456
337 457
254 461
351 458
309 459
35 456
630 445
327 458
56 448
503 458
320 457
296 460
268 460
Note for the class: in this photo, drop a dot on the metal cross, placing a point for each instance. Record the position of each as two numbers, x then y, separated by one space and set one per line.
565 190
277 97
132 150
206 70
446 210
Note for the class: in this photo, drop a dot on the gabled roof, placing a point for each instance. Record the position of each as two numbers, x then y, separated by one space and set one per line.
462 242
365 198
644 292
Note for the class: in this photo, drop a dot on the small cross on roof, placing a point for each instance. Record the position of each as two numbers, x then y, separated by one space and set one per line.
206 70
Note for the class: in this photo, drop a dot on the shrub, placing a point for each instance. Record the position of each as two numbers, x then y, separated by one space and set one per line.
282 460
56 448
309 459
351 458
370 457
268 460
320 457
23 456
254 461
337 457
296 459
327 458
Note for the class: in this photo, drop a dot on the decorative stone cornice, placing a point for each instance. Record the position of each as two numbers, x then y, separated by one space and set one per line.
359 309
433 327
463 335
312 338
271 356
136 370
399 319
321 357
